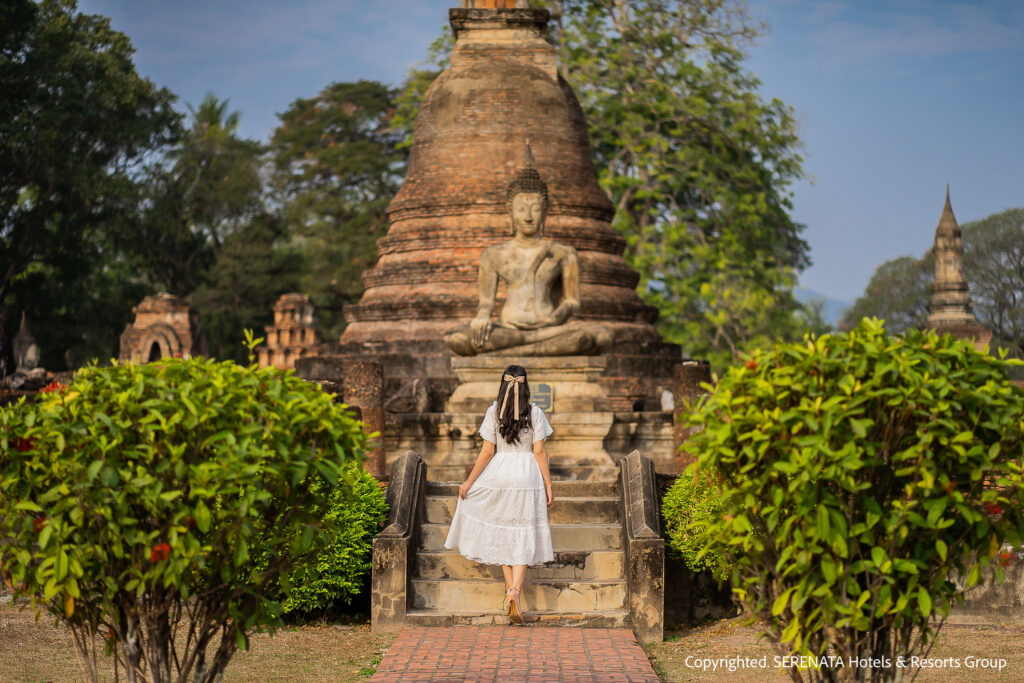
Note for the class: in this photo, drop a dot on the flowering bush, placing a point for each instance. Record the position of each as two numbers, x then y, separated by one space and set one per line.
132 499
860 470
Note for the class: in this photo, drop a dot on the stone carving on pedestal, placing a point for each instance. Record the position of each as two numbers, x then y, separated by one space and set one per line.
950 310
165 326
293 335
542 279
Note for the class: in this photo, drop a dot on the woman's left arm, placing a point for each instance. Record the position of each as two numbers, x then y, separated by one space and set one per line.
540 453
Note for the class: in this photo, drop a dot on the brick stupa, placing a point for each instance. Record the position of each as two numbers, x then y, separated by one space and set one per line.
501 91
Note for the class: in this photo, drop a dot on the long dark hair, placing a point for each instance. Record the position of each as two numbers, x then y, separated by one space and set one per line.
510 423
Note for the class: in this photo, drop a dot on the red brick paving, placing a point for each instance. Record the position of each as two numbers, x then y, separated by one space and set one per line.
511 654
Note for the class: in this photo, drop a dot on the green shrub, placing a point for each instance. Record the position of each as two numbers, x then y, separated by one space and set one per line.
690 506
870 467
335 575
130 503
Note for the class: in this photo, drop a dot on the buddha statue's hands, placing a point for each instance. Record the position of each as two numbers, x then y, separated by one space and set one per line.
564 311
481 329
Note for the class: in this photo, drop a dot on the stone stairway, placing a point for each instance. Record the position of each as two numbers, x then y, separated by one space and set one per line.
584 586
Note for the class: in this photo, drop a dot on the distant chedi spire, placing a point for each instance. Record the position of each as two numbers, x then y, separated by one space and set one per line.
950 310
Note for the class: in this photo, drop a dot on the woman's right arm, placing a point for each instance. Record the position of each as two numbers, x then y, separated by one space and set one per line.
486 453
540 453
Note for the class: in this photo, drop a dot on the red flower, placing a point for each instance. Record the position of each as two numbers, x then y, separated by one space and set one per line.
177 354
1006 558
39 523
993 508
24 445
159 552
53 386
751 364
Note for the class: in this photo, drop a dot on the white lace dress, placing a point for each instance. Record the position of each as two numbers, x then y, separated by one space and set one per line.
504 517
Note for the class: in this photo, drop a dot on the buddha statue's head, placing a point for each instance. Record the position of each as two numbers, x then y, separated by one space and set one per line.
527 199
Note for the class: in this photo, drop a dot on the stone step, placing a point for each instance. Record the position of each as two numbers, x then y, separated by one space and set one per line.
559 487
561 468
604 510
445 618
546 595
563 536
583 564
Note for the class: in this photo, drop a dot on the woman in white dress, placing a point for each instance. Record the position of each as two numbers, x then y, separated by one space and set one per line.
501 515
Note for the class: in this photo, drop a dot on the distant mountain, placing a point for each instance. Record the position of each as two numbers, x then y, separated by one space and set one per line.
833 309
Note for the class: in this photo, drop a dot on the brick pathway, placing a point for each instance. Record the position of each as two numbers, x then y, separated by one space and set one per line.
510 654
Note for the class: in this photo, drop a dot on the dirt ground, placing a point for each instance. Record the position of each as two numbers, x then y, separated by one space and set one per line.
36 650
727 640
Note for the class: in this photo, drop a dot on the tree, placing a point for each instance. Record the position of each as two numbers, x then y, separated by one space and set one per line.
76 121
994 267
250 271
154 509
898 293
697 164
856 472
206 189
900 289
336 166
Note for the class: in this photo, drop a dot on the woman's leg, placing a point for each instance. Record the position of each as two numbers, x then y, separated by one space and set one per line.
515 593
518 576
507 571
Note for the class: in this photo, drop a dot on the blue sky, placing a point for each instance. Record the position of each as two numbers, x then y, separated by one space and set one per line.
894 99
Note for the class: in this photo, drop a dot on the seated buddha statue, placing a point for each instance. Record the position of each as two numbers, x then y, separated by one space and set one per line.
542 280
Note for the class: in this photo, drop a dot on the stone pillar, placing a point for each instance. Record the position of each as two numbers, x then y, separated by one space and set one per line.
644 548
394 548
364 387
686 388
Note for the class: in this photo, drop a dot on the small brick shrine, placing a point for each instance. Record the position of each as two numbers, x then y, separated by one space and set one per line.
293 335
165 326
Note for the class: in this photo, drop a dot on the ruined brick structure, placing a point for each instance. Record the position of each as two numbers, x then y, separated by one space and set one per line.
293 335
503 89
950 310
165 326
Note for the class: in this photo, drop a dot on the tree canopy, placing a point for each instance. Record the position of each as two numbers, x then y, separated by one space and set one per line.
697 164
76 121
335 167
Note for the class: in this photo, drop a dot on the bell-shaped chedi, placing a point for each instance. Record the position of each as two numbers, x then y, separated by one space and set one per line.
950 310
502 90
165 327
